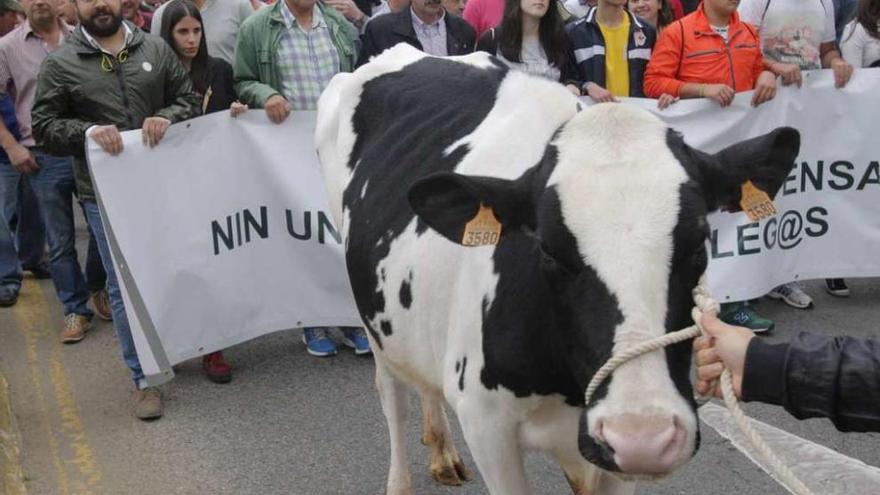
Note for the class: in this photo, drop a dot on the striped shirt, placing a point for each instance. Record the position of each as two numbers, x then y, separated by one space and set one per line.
307 60
21 53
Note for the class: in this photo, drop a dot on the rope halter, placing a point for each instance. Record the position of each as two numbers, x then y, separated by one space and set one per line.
703 303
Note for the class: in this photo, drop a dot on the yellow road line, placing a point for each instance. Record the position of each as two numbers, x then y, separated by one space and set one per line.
11 477
73 457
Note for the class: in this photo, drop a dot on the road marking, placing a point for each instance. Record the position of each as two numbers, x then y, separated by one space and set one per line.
73 457
820 468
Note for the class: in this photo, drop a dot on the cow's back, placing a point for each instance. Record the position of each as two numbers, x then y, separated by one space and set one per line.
398 119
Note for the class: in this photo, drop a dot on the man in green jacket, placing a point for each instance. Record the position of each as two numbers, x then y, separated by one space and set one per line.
110 77
286 55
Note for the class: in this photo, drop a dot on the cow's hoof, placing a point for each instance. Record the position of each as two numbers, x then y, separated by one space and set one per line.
451 475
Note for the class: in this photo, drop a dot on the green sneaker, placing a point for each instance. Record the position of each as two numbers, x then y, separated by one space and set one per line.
743 315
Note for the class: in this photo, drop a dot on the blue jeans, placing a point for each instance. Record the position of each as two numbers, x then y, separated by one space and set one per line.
30 234
120 320
53 186
10 270
96 277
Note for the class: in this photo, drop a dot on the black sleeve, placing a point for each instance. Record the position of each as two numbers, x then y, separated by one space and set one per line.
222 86
569 70
369 45
487 43
817 376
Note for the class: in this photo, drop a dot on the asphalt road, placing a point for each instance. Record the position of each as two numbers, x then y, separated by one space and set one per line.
290 423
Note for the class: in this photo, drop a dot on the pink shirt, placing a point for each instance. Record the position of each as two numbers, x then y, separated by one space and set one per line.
483 15
21 53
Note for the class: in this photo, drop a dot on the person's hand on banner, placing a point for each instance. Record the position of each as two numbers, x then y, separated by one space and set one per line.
277 108
790 73
237 109
154 130
765 88
598 93
108 138
843 70
720 93
665 100
22 159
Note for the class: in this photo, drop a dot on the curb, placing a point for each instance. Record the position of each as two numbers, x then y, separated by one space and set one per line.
11 476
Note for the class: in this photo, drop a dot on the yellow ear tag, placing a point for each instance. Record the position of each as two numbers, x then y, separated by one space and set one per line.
483 230
756 203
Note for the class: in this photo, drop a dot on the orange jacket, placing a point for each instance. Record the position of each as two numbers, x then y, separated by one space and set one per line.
688 51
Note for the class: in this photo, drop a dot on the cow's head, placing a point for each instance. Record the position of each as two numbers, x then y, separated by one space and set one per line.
616 213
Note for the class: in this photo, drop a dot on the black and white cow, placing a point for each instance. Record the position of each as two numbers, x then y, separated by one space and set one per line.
604 224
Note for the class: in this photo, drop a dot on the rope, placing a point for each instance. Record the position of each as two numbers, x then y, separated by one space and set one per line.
704 303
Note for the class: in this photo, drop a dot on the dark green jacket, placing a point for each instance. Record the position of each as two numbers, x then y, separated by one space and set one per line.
79 86
256 50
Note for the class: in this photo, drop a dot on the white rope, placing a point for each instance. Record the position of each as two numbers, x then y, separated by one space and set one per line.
704 303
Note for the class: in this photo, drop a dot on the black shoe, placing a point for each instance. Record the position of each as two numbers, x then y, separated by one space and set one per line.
837 287
8 297
40 272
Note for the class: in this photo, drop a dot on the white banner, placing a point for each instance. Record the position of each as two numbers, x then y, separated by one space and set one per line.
221 233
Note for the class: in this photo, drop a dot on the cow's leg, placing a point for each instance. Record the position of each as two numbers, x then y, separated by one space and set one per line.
446 465
494 444
393 395
586 479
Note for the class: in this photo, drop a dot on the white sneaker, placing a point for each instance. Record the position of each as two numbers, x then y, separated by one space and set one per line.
792 294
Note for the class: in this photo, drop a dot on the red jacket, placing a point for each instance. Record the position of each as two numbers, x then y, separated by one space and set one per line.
688 51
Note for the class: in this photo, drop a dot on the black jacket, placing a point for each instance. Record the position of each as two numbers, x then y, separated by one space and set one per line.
818 376
387 30
588 46
222 91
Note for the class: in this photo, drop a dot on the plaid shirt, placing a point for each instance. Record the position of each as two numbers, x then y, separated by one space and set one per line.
307 60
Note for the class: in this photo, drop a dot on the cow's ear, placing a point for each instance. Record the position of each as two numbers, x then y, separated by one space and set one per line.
447 202
765 161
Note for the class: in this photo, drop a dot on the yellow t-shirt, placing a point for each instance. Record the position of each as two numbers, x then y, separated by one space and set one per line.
616 63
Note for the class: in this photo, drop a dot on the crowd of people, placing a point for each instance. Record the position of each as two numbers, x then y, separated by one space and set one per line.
74 70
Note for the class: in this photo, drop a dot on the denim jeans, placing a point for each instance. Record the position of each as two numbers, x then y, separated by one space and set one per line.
53 186
120 320
30 233
96 277
10 270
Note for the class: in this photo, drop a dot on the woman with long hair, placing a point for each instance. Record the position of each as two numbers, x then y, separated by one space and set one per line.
531 38
658 13
182 29
861 37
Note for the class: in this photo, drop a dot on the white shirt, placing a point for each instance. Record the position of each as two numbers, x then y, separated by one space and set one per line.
431 36
534 60
858 47
791 30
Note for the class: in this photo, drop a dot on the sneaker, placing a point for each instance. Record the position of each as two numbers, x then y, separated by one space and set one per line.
792 294
356 338
317 342
8 296
75 328
837 287
216 368
101 302
148 404
744 316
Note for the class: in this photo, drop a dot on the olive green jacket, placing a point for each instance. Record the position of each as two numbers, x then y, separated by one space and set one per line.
80 86
256 51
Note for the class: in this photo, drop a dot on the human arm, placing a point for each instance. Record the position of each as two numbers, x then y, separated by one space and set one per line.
831 58
664 64
369 46
251 91
53 123
810 376
350 11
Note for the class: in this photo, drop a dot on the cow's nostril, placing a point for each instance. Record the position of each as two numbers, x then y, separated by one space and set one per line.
645 444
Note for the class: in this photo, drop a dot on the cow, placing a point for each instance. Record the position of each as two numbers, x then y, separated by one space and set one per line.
602 217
